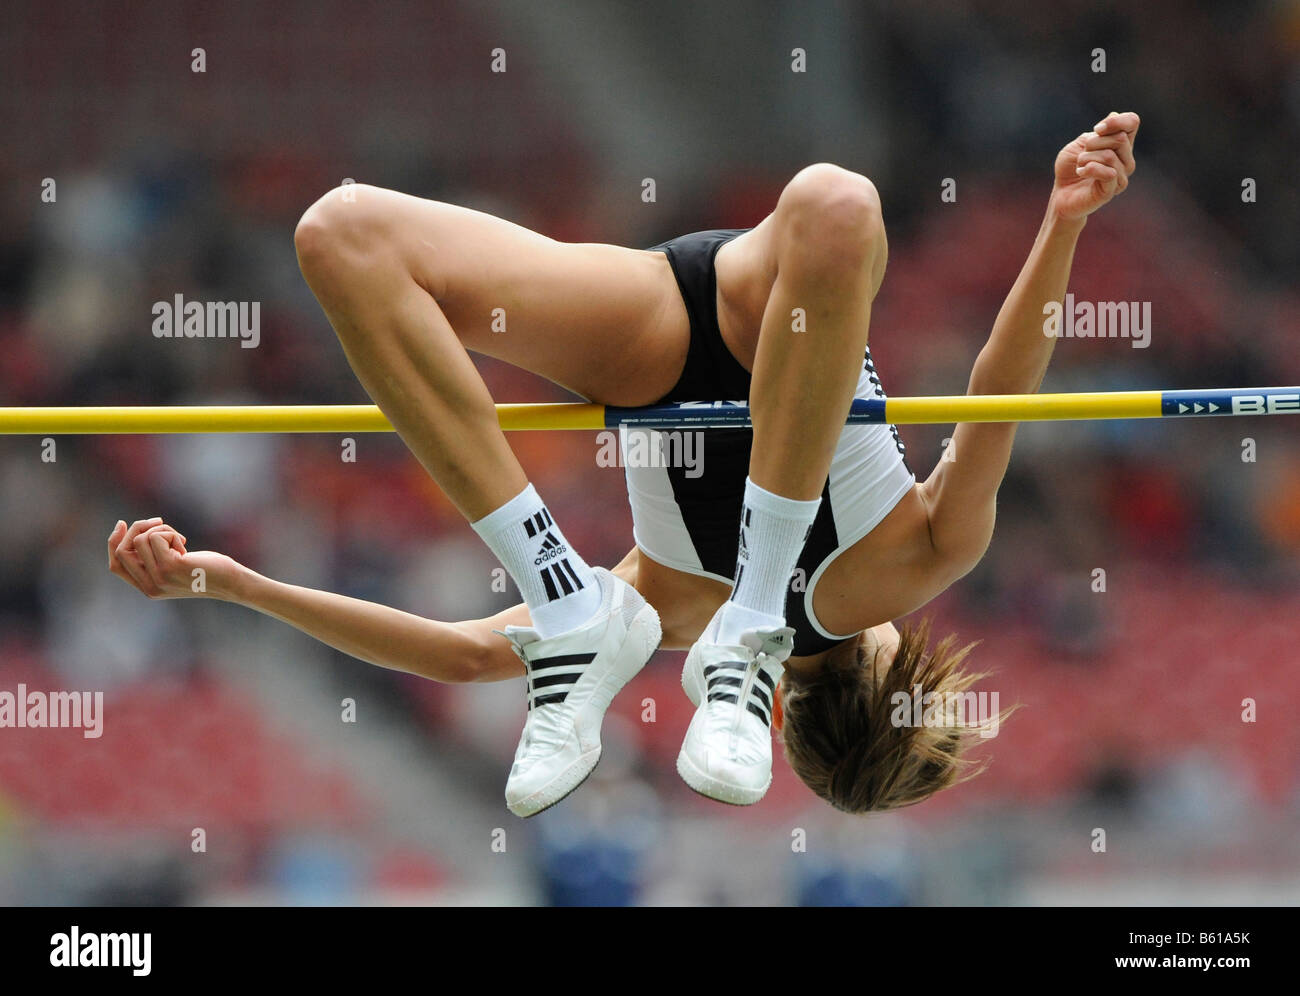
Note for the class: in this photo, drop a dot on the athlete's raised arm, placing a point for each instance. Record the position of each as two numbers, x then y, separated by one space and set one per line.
151 556
960 494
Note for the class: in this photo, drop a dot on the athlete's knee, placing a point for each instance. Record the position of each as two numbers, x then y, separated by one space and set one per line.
831 216
344 222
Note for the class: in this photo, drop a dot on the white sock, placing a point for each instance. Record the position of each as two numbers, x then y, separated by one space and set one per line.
773 531
562 592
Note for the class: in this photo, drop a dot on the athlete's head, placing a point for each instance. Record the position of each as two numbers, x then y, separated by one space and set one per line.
847 736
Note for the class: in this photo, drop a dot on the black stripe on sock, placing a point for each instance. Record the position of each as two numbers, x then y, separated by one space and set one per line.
564 582
771 685
722 697
530 528
551 593
541 523
740 571
547 515
565 564
726 679
758 694
759 713
542 700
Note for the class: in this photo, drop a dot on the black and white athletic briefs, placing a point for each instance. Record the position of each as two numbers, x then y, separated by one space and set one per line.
690 521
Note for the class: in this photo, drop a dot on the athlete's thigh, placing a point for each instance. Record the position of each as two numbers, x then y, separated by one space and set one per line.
604 321
746 270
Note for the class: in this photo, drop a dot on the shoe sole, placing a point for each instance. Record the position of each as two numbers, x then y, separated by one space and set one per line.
714 788
645 624
566 793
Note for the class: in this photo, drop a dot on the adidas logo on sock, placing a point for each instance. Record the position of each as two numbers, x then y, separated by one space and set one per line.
558 576
551 548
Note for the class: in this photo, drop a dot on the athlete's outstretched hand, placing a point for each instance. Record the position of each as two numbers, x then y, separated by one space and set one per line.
1095 166
150 556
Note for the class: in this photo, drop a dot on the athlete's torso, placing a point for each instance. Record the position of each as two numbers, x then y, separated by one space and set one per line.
884 574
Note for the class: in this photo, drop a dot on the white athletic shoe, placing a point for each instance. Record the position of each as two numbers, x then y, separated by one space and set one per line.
572 678
727 753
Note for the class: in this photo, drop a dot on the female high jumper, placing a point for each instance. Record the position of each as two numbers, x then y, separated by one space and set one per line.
777 314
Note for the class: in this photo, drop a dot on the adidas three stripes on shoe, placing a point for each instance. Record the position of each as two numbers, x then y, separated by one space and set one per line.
727 753
572 678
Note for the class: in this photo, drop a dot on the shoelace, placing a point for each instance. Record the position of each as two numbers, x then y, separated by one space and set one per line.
719 685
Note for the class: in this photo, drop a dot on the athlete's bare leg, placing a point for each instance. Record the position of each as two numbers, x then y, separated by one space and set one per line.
823 251
410 284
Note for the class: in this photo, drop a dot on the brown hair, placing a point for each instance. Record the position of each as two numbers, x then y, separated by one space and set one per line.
840 737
